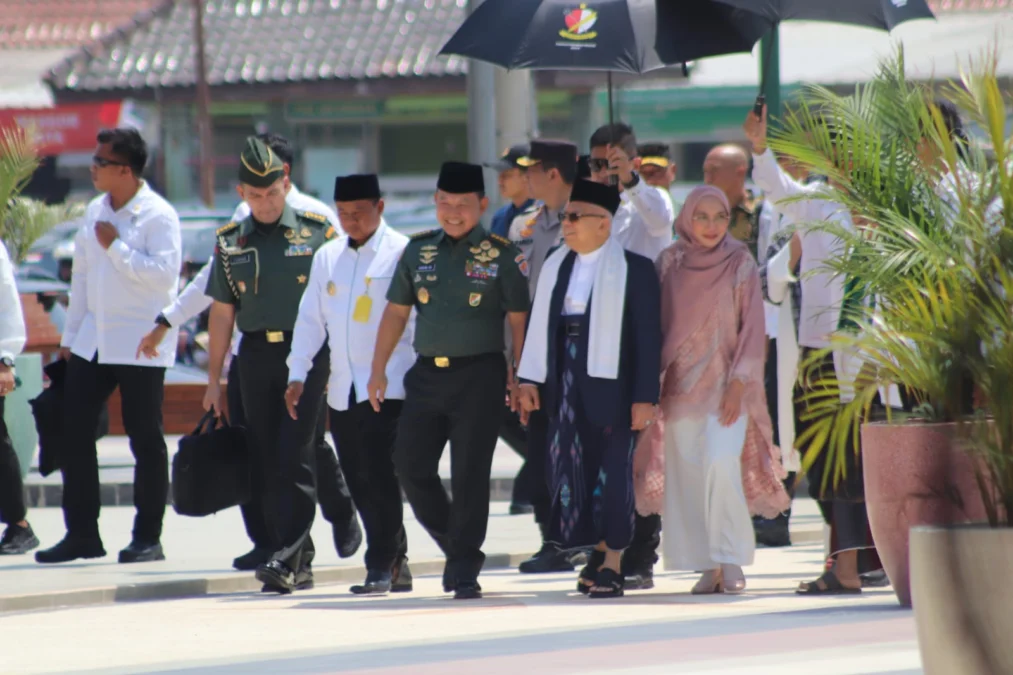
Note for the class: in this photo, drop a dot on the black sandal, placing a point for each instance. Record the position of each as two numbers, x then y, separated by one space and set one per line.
589 574
832 583
609 584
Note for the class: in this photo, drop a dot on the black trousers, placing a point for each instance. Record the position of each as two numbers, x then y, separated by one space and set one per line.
365 443
283 449
332 492
463 404
86 390
12 488
642 552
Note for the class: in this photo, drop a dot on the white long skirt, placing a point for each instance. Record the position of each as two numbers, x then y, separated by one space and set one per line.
706 520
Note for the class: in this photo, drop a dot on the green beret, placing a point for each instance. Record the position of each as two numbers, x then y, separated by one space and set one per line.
258 165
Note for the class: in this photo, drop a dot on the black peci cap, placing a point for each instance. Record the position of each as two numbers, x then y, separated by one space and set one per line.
460 178
589 192
356 186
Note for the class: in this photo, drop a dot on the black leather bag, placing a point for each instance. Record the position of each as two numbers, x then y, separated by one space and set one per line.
211 470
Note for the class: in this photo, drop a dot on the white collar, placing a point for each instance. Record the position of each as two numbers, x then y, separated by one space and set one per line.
134 205
374 242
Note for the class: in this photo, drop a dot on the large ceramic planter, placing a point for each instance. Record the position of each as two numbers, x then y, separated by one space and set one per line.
915 474
18 412
963 599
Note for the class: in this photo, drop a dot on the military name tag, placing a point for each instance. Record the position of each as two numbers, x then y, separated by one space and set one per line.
426 268
363 306
240 259
298 250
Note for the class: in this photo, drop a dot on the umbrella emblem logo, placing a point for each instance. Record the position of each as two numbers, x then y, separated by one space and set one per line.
579 23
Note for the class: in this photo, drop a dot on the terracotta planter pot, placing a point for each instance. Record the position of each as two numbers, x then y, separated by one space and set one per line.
962 599
914 475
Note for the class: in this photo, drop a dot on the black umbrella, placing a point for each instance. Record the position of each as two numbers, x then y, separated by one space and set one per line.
882 14
628 36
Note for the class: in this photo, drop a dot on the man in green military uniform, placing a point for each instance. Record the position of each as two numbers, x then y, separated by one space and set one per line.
260 270
461 281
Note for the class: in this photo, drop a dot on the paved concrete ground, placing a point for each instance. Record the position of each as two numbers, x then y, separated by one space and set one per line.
199 554
525 624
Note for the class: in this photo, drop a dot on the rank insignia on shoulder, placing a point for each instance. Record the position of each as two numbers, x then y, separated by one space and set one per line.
224 229
330 233
422 235
319 217
500 240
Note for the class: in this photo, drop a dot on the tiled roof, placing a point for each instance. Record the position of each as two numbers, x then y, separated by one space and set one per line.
943 6
44 24
274 41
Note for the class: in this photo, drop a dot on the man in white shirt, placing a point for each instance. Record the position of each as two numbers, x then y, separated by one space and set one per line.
822 301
332 493
645 221
341 307
18 538
126 269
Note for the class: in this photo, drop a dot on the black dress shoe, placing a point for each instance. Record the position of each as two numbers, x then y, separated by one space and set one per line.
140 551
377 582
467 590
18 540
640 580
347 537
550 558
401 577
518 509
252 560
71 548
303 582
277 575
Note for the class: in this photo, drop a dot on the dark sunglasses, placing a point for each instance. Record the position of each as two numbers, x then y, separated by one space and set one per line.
598 164
576 217
102 162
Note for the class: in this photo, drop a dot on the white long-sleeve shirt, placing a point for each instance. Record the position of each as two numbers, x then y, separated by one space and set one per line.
194 299
645 220
12 318
116 293
822 291
578 292
340 280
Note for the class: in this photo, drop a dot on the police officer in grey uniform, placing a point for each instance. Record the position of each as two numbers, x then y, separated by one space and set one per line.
551 170
260 271
463 282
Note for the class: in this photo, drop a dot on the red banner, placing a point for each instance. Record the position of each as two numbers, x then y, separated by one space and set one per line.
65 128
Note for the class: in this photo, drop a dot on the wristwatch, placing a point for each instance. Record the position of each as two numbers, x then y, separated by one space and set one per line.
633 183
162 321
7 361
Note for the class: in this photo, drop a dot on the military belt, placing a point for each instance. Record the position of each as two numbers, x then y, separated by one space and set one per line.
449 361
272 336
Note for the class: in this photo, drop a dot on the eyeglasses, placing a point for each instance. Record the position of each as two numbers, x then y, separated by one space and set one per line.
102 162
598 164
719 219
576 217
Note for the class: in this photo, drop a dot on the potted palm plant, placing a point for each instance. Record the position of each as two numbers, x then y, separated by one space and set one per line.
22 222
928 263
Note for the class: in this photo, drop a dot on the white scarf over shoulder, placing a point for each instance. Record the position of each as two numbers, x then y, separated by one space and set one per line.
608 299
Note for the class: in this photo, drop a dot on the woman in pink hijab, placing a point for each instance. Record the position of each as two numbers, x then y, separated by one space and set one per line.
713 453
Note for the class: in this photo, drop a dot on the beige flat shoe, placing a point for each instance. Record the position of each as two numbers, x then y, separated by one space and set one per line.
709 584
733 579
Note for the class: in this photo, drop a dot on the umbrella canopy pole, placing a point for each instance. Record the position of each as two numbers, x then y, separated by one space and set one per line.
770 71
613 180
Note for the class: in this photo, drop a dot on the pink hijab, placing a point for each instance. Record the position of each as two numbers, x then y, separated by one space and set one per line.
694 280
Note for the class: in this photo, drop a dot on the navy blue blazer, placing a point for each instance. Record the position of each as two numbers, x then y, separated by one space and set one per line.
608 402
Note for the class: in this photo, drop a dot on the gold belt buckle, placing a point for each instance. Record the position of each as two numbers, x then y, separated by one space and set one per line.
275 336
442 362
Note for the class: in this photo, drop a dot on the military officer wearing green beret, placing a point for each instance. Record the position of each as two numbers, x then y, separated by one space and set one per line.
261 267
462 282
